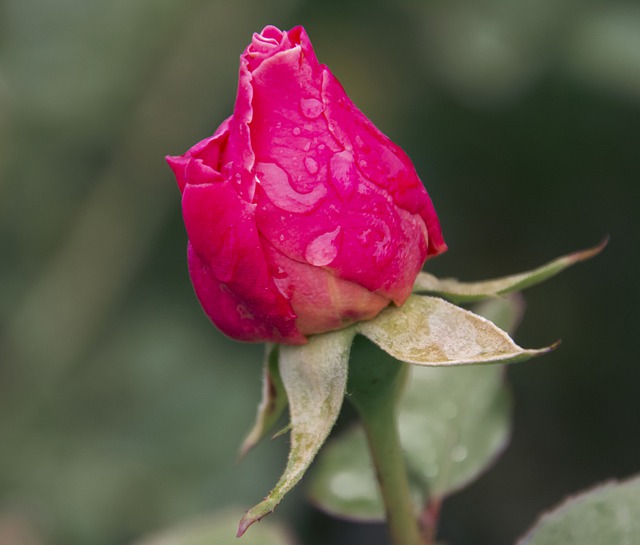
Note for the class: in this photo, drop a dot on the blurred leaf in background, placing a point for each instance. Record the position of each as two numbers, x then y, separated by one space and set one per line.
121 407
219 529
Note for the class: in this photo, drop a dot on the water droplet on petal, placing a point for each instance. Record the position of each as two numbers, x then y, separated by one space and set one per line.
322 250
277 185
244 312
311 107
459 453
296 131
342 172
361 144
311 165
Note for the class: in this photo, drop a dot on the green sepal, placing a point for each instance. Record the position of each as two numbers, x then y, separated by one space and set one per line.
274 401
465 292
314 376
430 331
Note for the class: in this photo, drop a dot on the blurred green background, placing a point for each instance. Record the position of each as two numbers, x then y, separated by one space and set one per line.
121 407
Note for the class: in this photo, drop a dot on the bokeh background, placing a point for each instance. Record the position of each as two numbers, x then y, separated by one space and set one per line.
121 407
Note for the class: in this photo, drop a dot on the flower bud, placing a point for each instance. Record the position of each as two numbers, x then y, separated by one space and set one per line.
302 217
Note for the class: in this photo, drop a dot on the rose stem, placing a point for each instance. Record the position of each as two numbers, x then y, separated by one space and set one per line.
374 388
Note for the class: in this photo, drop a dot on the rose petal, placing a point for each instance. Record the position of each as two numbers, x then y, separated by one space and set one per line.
229 270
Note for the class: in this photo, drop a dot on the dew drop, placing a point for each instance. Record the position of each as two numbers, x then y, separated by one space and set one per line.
311 107
361 144
244 312
343 176
307 146
311 165
459 453
296 131
322 250
277 185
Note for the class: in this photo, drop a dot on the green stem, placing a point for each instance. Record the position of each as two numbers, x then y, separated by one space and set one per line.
384 444
374 387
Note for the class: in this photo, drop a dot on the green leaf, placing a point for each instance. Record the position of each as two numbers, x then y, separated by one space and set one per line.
606 515
463 292
430 331
314 376
453 424
343 482
274 400
218 529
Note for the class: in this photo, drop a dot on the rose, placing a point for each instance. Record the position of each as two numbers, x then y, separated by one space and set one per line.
302 217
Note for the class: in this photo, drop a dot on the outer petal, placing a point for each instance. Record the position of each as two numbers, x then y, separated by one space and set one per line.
238 155
379 159
228 267
288 129
322 301
203 162
366 240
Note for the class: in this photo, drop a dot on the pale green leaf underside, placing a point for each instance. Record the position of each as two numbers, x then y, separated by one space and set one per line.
606 515
314 376
453 424
274 401
342 480
463 292
219 529
430 331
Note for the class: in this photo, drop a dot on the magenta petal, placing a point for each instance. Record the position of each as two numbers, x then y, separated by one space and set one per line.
322 301
380 160
236 316
223 236
203 162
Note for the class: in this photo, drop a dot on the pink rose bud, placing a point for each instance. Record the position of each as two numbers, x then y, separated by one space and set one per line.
302 216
